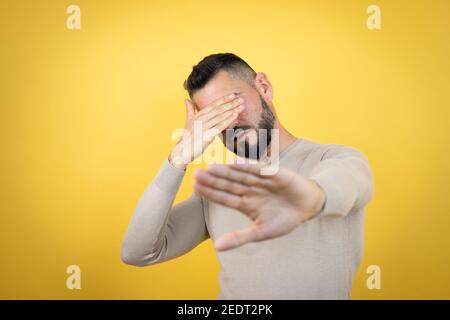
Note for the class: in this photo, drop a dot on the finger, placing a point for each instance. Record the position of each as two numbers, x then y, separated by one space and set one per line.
211 181
226 122
229 105
253 168
206 116
249 179
219 102
190 109
222 116
236 239
281 178
220 197
210 133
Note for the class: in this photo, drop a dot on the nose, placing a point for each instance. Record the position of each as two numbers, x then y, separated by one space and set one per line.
231 126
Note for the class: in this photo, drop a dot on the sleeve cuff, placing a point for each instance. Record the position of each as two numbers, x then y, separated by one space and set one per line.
169 178
337 202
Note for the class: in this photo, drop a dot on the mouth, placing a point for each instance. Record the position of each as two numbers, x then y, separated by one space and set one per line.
240 139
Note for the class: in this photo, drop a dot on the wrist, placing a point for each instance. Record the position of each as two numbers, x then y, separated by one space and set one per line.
176 160
321 199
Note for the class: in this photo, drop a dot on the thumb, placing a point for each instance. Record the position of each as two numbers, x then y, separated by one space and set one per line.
190 110
236 239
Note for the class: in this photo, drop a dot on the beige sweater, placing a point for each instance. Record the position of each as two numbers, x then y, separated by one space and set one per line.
317 260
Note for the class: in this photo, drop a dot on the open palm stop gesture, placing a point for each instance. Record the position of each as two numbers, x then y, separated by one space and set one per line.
276 203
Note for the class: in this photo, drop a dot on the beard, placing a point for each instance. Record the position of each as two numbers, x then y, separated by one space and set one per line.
238 141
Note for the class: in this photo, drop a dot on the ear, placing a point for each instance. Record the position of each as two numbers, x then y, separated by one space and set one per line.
263 86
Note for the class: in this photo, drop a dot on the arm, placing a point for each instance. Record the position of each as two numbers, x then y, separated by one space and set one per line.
278 203
157 232
346 179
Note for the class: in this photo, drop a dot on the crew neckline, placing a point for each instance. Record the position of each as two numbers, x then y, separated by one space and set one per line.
289 147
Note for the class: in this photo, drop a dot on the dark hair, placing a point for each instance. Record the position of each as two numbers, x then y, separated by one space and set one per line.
209 66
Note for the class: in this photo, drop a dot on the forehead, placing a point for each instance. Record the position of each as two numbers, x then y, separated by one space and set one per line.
219 86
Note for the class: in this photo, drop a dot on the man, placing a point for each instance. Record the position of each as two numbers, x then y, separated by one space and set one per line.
294 234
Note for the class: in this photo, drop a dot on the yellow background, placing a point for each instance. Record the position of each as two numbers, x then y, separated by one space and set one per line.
86 117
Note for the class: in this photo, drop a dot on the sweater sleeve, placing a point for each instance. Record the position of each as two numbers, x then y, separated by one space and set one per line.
346 179
159 232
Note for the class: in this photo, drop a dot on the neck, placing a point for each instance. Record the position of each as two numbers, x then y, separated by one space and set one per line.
285 138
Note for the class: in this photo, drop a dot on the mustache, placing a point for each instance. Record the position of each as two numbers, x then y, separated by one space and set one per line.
242 127
237 129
